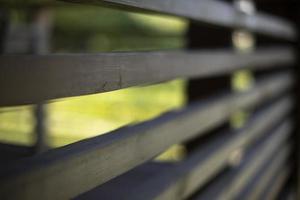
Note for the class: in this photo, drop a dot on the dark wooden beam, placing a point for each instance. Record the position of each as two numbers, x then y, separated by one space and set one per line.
204 87
26 79
41 29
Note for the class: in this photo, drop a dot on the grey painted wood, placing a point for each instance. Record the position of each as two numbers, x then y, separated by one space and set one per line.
97 160
32 79
229 185
201 166
197 175
275 185
263 180
31 37
41 29
211 12
204 165
129 185
244 177
194 177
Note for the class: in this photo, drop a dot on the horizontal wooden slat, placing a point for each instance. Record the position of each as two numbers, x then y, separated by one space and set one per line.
205 11
261 180
99 159
244 177
189 184
204 164
26 79
230 184
276 184
129 185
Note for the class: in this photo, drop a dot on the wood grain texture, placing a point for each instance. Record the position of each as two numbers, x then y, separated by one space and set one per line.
211 12
31 79
211 158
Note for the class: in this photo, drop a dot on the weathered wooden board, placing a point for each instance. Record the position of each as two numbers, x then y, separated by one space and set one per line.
262 180
233 182
245 176
99 159
197 173
211 158
276 184
26 79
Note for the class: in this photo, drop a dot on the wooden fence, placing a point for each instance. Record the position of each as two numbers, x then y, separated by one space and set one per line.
256 161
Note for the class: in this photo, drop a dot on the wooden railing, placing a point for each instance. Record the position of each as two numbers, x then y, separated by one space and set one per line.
119 165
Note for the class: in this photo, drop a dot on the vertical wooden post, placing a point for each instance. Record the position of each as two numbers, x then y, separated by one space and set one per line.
243 42
30 37
210 37
199 37
40 36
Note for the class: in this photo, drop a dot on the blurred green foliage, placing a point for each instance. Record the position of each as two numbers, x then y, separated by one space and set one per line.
86 29
100 29
88 116
95 29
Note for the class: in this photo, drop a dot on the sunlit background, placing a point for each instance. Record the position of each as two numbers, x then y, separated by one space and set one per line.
95 30
99 30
